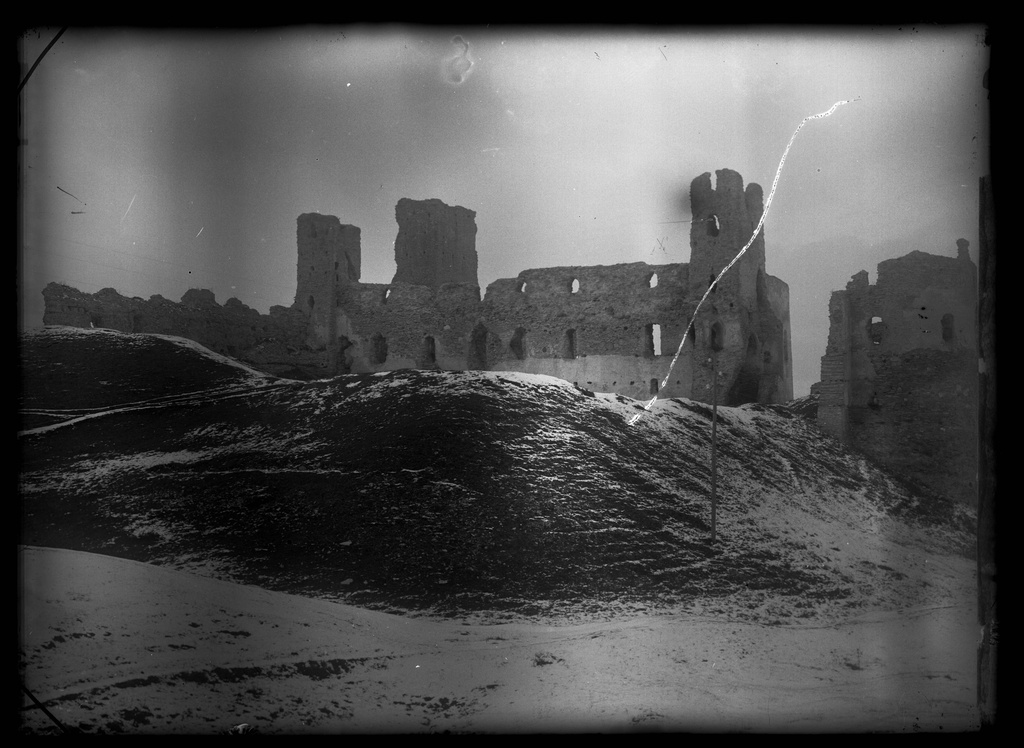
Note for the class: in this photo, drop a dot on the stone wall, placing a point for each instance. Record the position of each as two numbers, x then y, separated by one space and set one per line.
272 342
436 243
382 327
607 328
601 336
899 374
328 258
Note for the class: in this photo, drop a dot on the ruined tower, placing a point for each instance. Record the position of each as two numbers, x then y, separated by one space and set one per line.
329 255
436 243
724 217
748 312
899 376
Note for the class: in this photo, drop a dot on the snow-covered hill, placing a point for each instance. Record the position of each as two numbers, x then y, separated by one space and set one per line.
463 493
422 551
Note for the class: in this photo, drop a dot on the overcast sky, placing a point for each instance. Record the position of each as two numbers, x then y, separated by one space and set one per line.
155 162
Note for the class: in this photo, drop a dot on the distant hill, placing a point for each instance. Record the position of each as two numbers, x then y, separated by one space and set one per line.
459 493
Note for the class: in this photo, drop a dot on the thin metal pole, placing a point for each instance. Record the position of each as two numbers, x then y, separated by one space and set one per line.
714 442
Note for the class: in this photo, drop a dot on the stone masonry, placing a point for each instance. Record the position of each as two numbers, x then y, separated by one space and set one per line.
900 373
436 243
606 328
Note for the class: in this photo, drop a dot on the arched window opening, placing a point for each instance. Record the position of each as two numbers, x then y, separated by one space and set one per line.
948 331
876 330
575 286
522 287
713 226
386 295
652 340
518 344
717 341
653 282
654 386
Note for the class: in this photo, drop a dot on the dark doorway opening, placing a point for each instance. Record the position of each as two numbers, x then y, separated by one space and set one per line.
518 343
477 358
378 349
569 344
428 353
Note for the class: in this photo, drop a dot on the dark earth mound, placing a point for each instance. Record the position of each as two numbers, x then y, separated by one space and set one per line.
447 492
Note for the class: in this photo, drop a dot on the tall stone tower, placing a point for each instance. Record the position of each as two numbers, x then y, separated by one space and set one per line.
329 255
724 217
747 315
436 243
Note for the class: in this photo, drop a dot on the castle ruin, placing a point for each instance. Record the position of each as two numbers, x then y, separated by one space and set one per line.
899 378
605 328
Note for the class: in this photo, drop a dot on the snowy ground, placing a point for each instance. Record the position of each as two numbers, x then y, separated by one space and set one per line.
526 558
111 645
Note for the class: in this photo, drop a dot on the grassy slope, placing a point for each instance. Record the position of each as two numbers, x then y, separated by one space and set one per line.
459 492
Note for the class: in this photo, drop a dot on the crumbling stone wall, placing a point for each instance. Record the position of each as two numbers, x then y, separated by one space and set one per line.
383 327
724 217
329 257
436 243
271 342
899 374
606 328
